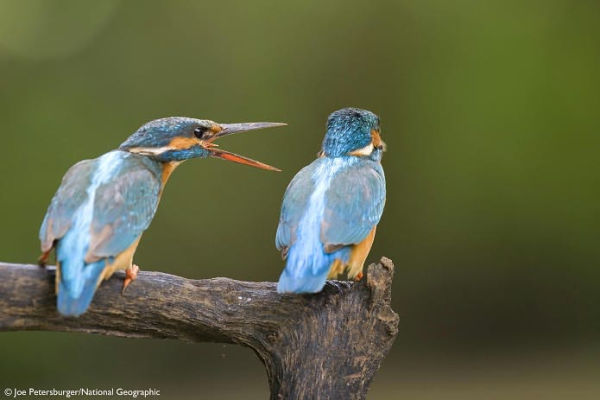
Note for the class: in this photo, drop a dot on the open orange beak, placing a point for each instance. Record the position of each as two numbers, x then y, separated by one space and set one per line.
228 129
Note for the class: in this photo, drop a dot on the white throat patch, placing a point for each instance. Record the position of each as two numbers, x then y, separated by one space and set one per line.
364 151
149 151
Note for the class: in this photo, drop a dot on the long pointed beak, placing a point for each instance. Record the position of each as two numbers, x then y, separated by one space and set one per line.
228 129
226 155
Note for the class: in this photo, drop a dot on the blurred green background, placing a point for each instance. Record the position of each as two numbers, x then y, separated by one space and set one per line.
491 115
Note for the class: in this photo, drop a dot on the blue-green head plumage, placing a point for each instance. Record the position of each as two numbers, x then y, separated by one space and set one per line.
350 130
171 139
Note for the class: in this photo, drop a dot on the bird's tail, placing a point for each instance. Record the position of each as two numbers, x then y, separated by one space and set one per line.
77 282
306 272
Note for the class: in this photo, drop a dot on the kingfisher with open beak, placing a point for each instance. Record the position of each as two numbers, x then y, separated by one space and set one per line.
102 207
332 206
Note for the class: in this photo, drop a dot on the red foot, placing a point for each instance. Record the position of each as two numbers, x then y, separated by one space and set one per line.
44 258
130 276
358 276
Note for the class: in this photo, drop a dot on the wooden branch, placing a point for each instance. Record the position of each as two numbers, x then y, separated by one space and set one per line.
325 345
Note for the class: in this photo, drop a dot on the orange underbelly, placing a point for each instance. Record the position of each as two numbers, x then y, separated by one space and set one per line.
358 254
121 262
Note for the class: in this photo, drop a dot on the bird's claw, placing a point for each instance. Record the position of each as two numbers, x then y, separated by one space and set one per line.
130 276
43 259
358 276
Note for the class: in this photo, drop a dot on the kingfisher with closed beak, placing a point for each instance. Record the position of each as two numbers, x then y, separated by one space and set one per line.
102 207
332 206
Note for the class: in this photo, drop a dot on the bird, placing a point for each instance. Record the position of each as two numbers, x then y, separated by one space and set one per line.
331 207
98 214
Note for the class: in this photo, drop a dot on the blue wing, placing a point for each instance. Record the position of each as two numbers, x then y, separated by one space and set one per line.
123 209
294 205
68 198
119 199
354 204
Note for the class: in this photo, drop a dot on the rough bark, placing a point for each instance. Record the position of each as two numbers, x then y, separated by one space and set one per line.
325 345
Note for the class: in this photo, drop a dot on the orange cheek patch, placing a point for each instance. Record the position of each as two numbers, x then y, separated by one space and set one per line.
376 138
182 143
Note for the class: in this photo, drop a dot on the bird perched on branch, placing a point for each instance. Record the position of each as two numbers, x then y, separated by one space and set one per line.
332 206
102 207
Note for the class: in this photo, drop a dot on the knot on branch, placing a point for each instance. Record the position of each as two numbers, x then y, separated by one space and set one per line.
379 281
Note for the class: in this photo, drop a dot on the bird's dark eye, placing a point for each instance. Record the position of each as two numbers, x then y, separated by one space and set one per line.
200 131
